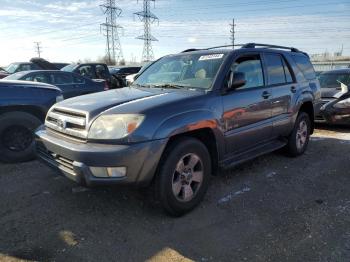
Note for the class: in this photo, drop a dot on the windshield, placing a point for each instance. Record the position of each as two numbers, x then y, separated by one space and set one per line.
185 70
69 68
12 68
332 80
16 76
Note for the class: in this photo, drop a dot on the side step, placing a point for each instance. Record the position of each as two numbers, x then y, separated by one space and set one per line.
253 153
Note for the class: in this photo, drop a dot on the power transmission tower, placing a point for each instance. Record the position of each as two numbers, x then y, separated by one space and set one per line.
110 29
38 48
148 18
233 33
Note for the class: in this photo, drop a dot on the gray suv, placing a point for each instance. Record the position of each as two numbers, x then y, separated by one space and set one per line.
186 117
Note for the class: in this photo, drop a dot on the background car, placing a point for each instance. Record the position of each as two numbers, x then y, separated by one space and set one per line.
335 86
21 66
120 73
71 84
23 107
92 71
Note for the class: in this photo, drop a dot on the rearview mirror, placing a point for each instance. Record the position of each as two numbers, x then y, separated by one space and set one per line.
236 80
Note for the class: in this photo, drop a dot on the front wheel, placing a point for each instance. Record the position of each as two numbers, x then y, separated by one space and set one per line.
300 136
16 136
183 176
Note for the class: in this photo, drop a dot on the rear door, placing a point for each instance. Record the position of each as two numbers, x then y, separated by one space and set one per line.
247 110
85 85
64 81
283 87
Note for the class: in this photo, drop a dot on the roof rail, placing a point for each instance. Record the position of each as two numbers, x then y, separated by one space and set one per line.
254 45
191 50
222 46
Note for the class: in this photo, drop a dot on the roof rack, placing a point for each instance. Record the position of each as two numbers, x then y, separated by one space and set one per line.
191 50
249 45
221 46
254 45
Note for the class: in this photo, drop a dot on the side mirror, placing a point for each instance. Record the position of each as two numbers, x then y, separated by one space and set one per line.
236 80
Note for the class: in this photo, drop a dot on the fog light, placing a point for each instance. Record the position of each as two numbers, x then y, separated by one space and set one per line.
116 171
108 171
99 171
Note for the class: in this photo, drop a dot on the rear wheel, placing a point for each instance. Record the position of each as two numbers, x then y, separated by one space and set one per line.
299 138
16 136
183 176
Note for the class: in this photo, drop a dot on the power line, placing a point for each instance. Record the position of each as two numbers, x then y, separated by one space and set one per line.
233 33
148 18
38 48
110 29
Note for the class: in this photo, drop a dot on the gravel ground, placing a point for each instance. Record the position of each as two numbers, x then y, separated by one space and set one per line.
273 208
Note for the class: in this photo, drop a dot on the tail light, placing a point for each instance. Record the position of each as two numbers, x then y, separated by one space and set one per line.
106 86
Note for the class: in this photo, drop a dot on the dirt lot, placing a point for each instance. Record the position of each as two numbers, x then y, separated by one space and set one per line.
271 209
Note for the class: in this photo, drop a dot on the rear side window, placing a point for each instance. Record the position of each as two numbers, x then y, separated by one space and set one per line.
40 77
275 69
305 66
287 72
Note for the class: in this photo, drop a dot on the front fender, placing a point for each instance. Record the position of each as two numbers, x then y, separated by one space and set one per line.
186 122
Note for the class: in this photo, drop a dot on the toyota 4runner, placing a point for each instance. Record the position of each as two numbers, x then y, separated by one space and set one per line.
185 117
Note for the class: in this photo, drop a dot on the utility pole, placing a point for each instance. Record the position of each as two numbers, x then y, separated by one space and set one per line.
110 29
37 48
233 33
148 18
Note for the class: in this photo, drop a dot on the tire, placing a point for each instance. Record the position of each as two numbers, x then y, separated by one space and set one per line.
300 136
172 188
17 136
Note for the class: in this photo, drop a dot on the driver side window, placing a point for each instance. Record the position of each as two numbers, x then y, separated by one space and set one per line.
251 67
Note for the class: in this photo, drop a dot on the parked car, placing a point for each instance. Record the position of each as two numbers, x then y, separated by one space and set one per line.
23 107
34 64
335 86
71 84
21 66
185 117
92 71
120 73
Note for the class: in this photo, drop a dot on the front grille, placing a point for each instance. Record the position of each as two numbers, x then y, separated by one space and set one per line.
61 162
67 122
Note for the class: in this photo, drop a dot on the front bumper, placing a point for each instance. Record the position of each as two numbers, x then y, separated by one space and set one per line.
331 115
74 159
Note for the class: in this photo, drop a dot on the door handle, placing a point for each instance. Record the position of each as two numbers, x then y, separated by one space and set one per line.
293 89
266 94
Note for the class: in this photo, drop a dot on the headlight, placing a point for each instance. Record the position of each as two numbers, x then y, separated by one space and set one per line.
114 126
59 98
343 104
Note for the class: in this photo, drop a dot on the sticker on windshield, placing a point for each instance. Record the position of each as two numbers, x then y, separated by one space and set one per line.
210 57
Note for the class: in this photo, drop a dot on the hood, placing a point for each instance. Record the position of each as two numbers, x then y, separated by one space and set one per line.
26 84
114 100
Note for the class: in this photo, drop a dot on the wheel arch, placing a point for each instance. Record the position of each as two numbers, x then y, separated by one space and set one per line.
30 109
308 108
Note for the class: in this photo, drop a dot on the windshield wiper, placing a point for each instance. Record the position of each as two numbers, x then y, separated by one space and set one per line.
175 86
139 85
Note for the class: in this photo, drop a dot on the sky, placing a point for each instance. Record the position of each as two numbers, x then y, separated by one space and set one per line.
70 30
